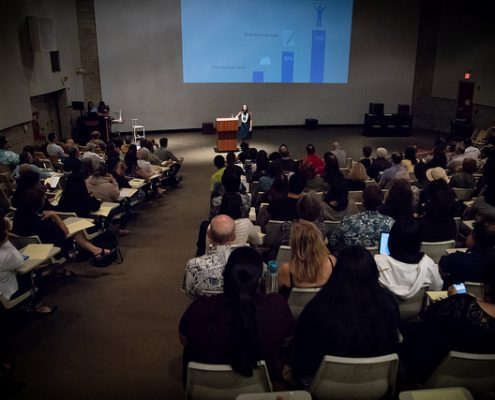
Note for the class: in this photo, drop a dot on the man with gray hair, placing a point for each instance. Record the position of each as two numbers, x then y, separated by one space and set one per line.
205 273
340 154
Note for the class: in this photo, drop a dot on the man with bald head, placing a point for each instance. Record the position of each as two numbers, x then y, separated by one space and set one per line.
205 272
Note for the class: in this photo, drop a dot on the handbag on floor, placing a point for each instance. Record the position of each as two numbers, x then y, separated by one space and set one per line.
107 240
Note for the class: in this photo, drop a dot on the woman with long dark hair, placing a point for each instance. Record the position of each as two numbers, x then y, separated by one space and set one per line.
407 269
240 326
336 205
352 316
399 200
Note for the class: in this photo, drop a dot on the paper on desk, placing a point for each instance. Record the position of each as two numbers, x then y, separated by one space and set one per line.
37 251
77 224
456 250
127 192
105 209
436 295
136 183
52 181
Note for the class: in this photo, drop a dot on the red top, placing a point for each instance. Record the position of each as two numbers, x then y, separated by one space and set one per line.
317 162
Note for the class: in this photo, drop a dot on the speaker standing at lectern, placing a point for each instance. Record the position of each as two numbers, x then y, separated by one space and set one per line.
246 126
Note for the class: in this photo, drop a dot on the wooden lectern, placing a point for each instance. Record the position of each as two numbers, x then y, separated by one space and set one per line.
227 134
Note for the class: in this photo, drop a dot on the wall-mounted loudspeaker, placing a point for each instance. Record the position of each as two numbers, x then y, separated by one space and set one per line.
42 32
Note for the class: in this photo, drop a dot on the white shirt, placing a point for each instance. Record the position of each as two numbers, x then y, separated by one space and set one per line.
405 280
10 261
54 150
472 152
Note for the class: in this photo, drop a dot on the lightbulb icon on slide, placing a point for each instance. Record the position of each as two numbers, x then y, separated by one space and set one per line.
265 62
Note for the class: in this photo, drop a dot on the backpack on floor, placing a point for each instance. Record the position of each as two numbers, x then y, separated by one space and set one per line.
107 240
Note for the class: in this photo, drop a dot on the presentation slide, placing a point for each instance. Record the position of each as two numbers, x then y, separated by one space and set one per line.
289 41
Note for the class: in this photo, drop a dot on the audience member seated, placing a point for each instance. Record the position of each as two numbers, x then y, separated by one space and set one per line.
484 205
205 273
340 154
407 269
7 158
232 167
245 231
456 161
47 226
240 326
266 181
147 152
488 174
146 162
331 171
168 159
351 316
96 140
247 153
262 164
434 174
357 178
308 209
125 146
380 163
231 184
288 164
286 209
112 152
31 150
336 205
464 179
102 185
311 263
76 198
216 178
313 181
399 200
314 158
133 168
437 223
471 151
53 149
12 284
277 191
389 174
459 323
26 162
420 174
438 159
468 266
90 154
116 168
410 159
363 229
366 159
72 163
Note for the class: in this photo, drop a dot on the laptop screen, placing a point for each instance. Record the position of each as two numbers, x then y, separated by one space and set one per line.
384 243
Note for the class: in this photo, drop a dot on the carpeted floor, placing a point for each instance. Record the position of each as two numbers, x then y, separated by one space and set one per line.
115 333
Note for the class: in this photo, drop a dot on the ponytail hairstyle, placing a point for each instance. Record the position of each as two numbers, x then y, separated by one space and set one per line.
241 285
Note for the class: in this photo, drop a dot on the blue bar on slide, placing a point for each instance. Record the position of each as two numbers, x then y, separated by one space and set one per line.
258 76
287 66
317 56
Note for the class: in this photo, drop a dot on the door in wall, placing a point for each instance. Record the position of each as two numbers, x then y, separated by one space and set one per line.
47 106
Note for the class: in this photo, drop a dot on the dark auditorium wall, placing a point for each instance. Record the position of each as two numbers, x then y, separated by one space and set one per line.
453 37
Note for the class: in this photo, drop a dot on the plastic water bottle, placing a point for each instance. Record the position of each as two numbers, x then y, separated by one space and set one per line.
271 282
